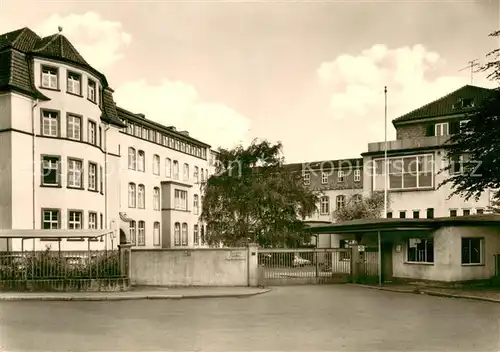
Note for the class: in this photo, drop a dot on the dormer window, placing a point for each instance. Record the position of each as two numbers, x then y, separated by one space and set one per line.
49 77
467 103
74 83
91 91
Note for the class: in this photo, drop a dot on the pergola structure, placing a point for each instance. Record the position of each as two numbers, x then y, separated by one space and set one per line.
388 229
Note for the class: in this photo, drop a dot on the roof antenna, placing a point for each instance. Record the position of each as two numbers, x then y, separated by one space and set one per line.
60 28
471 66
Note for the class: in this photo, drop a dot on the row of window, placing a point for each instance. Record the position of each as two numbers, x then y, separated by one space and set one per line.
137 161
340 202
430 213
341 177
52 171
162 139
51 220
74 83
137 233
137 198
422 250
51 127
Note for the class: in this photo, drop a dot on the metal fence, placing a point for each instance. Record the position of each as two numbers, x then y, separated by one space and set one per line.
296 266
51 265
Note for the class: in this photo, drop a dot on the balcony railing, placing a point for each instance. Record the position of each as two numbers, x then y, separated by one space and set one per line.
401 144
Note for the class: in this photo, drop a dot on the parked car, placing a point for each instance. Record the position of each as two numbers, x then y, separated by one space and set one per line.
298 261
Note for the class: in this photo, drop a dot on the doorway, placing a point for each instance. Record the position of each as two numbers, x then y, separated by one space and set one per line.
386 261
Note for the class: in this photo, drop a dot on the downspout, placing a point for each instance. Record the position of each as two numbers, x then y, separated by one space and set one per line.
33 154
106 176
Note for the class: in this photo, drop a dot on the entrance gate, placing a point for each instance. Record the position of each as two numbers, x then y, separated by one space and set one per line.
304 266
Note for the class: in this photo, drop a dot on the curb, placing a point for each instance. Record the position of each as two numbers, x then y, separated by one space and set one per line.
430 293
128 298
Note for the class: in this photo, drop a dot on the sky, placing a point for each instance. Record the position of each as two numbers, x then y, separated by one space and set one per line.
310 74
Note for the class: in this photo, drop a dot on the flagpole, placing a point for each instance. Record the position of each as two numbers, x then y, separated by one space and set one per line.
385 155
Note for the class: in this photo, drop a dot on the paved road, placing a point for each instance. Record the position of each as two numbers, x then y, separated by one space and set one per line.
299 318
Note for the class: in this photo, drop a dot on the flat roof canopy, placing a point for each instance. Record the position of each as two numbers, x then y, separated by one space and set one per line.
375 225
31 234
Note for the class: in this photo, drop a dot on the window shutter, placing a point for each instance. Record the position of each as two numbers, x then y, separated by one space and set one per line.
430 130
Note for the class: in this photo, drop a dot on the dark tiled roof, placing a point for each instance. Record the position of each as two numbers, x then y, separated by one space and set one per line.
325 164
17 49
138 118
447 105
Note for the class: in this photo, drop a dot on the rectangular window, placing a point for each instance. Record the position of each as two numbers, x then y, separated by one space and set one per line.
100 136
409 172
453 212
75 173
138 131
75 220
101 180
91 90
74 127
196 175
324 178
156 234
74 83
101 221
357 175
91 137
479 211
185 172
430 213
92 221
50 123
196 205
141 161
49 77
340 201
180 198
51 219
389 215
341 176
402 214
51 170
466 212
176 170
141 197
92 176
307 178
168 167
145 133
156 198
441 129
416 214
472 250
156 164
325 205
196 235
141 233
420 250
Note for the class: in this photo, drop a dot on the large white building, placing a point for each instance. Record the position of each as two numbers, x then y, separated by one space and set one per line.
70 159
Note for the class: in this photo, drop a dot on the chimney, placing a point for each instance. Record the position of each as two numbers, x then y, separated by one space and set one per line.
186 133
172 128
142 116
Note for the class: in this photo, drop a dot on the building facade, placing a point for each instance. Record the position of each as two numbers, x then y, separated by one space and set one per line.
70 159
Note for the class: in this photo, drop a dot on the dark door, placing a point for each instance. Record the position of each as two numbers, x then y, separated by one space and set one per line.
386 261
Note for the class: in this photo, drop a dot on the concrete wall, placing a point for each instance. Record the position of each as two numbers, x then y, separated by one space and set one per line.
447 264
195 267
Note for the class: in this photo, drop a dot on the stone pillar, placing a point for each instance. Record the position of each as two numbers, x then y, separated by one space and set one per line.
355 260
253 265
125 260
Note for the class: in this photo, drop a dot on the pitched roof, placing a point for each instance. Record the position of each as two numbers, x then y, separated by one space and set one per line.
447 105
17 49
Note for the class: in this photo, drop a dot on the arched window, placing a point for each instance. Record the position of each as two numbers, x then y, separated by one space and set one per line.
340 201
156 198
196 235
176 170
141 233
131 195
132 232
196 204
156 164
168 167
141 164
177 234
131 158
184 234
141 197
156 234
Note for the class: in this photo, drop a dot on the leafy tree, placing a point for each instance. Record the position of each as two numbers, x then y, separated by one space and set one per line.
359 207
252 197
476 149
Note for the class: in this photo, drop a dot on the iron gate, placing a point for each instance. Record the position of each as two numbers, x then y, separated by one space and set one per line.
304 266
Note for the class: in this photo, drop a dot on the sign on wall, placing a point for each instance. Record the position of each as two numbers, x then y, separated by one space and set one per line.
236 255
